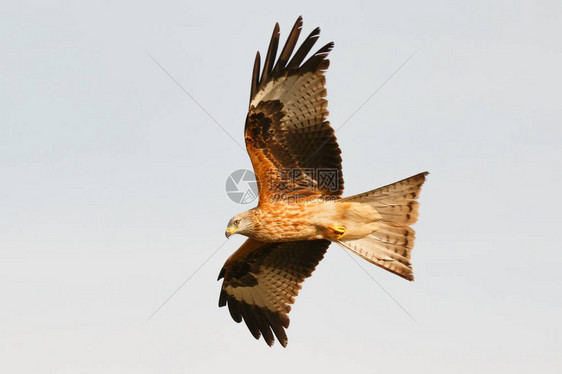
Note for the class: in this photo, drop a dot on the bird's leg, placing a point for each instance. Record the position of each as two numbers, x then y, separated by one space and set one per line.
338 231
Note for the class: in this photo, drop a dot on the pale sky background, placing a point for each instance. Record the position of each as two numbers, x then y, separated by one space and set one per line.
112 186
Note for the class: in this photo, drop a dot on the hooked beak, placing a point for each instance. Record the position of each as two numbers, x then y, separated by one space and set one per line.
229 231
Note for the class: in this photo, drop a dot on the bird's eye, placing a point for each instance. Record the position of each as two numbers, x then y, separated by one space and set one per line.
236 222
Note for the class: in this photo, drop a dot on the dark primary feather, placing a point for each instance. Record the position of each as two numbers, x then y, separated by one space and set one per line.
303 50
255 76
289 46
271 53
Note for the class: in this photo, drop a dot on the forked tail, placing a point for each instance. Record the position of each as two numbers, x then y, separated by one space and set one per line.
390 244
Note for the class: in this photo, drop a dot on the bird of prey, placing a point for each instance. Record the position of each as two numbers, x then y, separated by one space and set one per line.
297 162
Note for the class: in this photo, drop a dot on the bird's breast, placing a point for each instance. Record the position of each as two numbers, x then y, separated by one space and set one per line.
287 222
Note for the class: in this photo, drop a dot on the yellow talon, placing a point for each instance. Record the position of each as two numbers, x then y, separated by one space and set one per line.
339 231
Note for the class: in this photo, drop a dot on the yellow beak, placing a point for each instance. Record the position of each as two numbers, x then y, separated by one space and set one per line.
229 231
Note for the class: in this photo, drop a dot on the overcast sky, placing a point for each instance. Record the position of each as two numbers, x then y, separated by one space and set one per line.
113 179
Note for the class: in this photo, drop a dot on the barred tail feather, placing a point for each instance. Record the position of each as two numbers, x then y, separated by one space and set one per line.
390 245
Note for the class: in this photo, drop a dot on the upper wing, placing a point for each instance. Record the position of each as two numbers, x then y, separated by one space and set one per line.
292 147
261 280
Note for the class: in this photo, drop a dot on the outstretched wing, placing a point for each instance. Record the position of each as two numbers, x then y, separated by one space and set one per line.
292 147
261 280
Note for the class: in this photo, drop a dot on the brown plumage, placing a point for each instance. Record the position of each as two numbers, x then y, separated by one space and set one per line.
261 280
296 158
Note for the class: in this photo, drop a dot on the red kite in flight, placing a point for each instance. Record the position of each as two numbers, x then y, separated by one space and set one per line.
297 162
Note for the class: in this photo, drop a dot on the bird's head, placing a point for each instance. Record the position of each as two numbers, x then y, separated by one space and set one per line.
242 223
